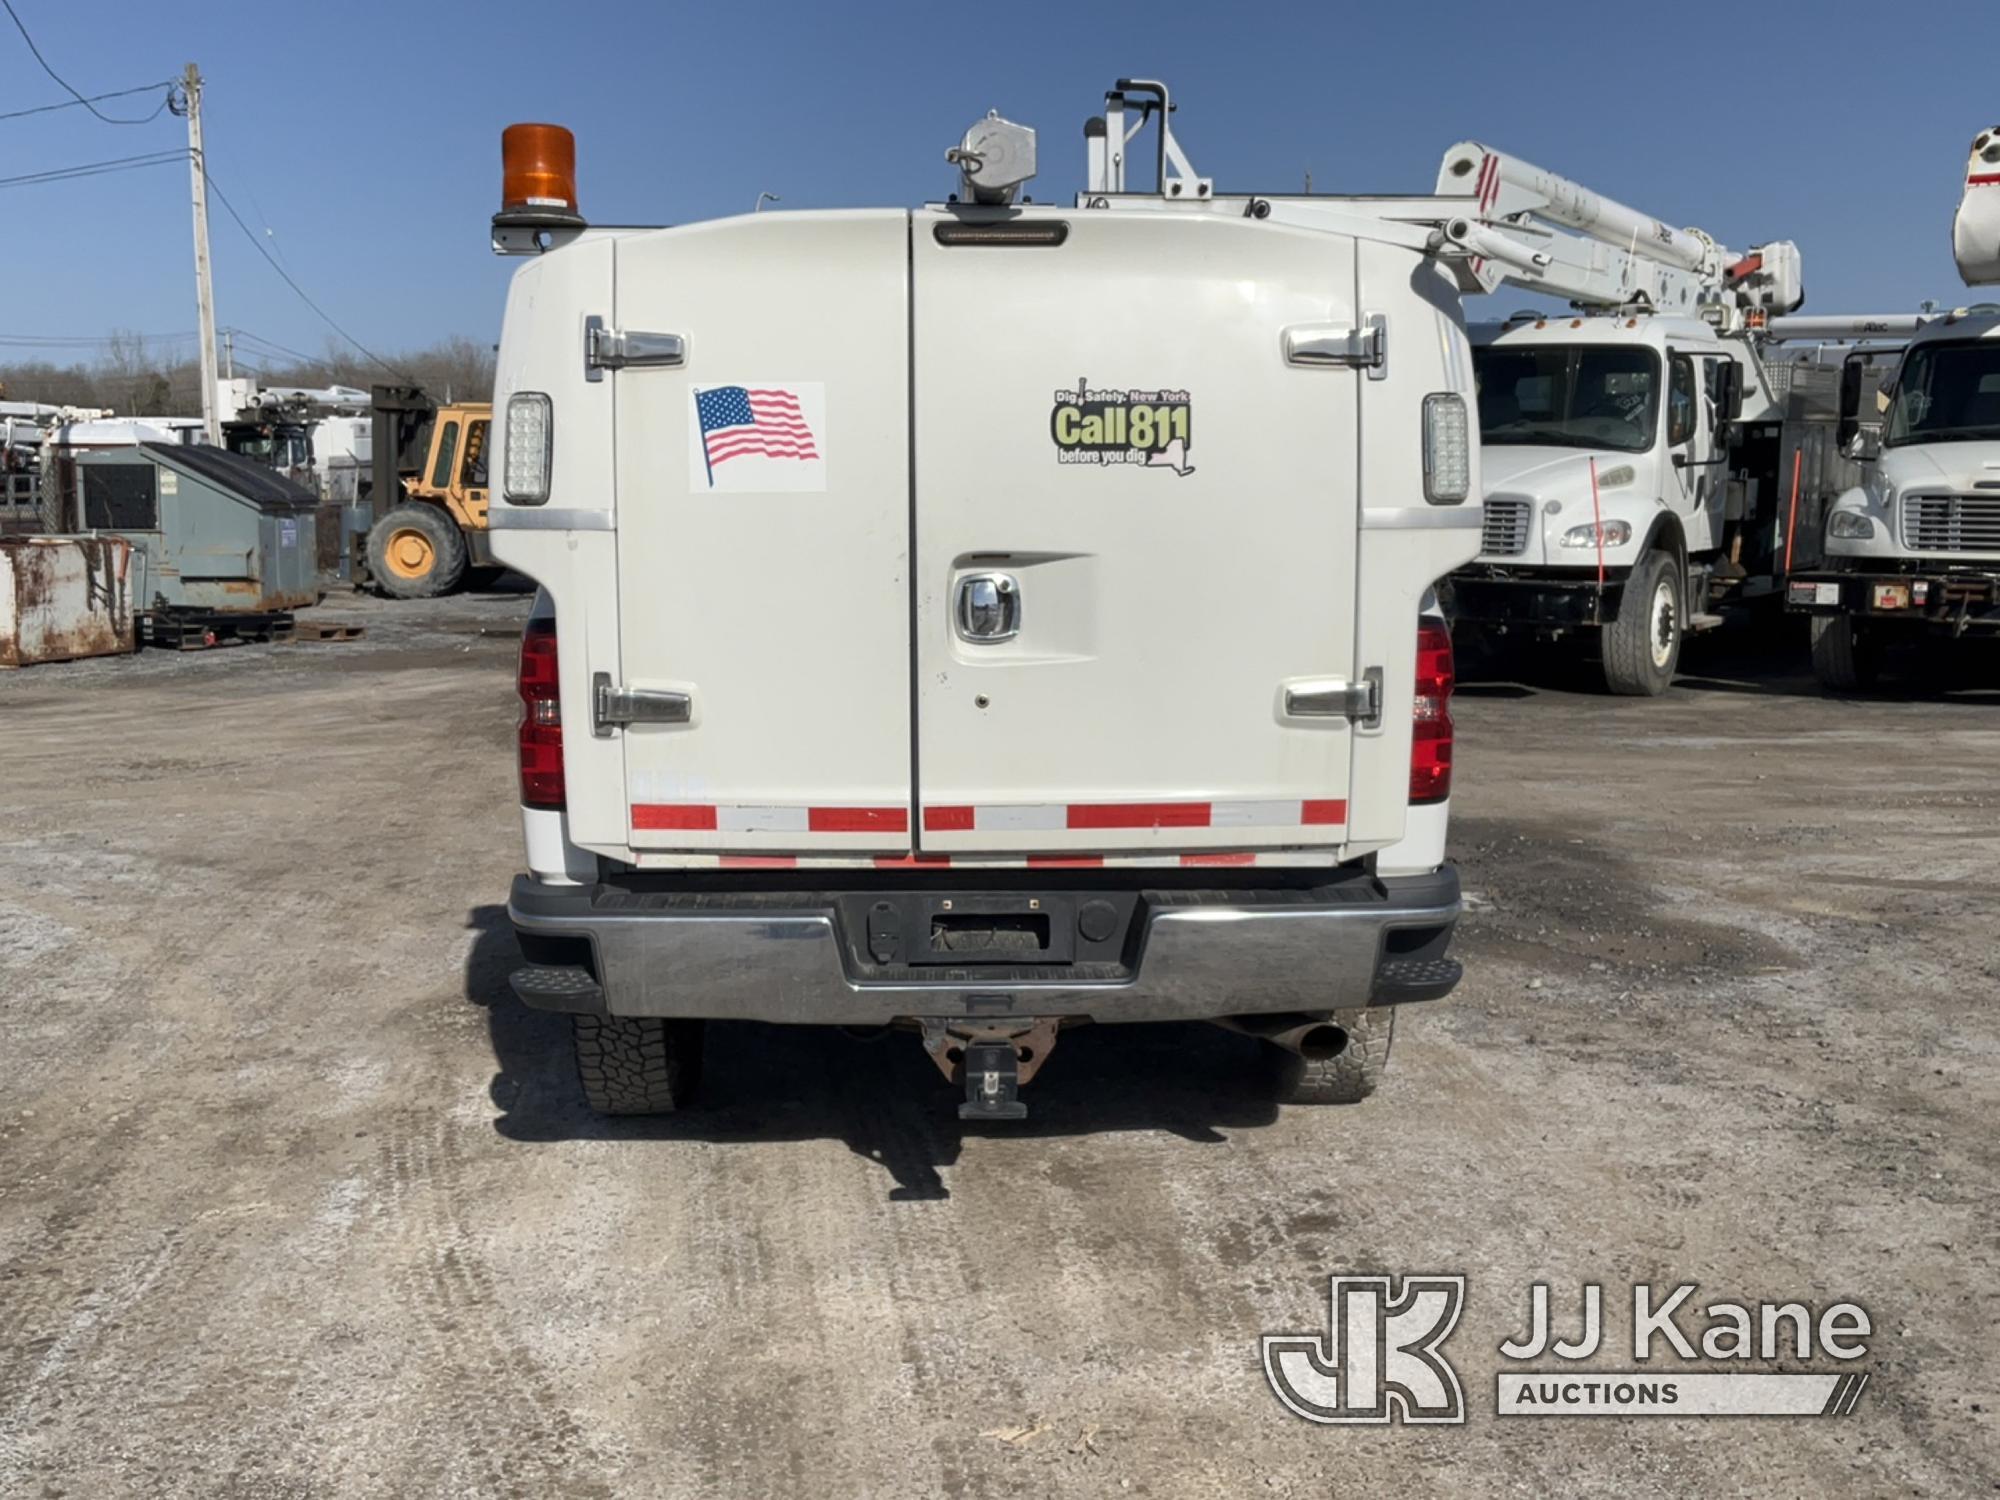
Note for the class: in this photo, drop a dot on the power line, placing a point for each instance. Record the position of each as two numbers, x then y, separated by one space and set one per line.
258 338
56 341
144 88
95 168
285 275
151 350
21 27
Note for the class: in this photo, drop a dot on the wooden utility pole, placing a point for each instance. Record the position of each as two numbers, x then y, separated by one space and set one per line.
204 285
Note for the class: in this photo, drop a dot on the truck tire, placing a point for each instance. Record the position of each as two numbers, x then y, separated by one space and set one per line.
1843 658
416 552
637 1065
1351 1076
1643 645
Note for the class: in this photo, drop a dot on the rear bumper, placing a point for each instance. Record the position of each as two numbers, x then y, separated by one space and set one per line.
1952 600
1184 953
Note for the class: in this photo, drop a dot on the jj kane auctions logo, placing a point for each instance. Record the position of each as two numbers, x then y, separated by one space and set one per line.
1382 1357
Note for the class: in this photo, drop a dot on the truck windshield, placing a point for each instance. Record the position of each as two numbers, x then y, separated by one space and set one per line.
1568 396
1946 393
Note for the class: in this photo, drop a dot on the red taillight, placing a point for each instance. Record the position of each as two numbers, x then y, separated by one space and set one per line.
541 718
1430 737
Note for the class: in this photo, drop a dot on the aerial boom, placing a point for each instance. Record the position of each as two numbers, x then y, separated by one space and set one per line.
1843 328
1534 229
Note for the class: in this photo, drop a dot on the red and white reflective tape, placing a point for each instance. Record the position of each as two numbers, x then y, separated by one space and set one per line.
1983 179
1049 817
751 817
648 859
1489 182
996 817
1013 817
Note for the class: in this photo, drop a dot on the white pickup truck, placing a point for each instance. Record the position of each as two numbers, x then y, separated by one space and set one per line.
985 618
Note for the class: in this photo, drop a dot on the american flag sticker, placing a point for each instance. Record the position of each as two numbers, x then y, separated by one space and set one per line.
757 436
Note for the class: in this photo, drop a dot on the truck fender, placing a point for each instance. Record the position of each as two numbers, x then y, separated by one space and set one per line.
1667 536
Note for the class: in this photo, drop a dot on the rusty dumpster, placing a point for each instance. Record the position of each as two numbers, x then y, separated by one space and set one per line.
64 597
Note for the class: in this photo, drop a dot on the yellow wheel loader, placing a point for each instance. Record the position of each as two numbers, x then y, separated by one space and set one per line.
429 533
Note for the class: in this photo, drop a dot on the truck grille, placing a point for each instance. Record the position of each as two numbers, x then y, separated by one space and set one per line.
1505 530
1951 523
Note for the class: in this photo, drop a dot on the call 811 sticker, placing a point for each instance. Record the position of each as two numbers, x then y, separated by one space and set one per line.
1150 429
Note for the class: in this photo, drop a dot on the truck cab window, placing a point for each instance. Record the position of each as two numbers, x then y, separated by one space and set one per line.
1680 403
1947 393
447 449
1568 396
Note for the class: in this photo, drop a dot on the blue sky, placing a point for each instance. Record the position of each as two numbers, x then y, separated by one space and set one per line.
364 136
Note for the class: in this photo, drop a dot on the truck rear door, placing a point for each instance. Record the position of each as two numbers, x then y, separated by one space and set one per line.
763 536
1135 531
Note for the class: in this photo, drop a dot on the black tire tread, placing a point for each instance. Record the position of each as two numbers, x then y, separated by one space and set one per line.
1840 657
1627 641
445 536
637 1065
1350 1077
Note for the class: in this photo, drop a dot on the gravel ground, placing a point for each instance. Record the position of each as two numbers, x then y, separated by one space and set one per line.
296 1200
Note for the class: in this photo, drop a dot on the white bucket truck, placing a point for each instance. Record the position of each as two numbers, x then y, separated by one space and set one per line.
1913 551
985 618
1634 481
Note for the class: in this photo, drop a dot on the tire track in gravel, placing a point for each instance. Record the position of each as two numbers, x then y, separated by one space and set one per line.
90 1315
112 1401
721 1195
36 1289
932 1280
499 1425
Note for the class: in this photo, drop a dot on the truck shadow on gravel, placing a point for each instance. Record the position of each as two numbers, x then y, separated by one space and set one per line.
1765 661
880 1096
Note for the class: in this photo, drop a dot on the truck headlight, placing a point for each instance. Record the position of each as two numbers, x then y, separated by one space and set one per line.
530 416
1851 525
1447 449
1616 534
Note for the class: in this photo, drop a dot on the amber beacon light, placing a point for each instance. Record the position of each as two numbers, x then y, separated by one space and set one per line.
538 170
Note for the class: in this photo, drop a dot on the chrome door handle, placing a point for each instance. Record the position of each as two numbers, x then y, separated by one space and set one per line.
988 607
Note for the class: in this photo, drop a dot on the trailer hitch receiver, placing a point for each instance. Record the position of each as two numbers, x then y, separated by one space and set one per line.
992 1059
992 1083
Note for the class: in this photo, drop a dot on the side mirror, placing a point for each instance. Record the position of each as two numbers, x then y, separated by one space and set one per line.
1848 428
1863 444
1729 391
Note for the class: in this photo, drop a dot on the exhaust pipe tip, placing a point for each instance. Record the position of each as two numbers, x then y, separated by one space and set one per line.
1314 1040
1319 1043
